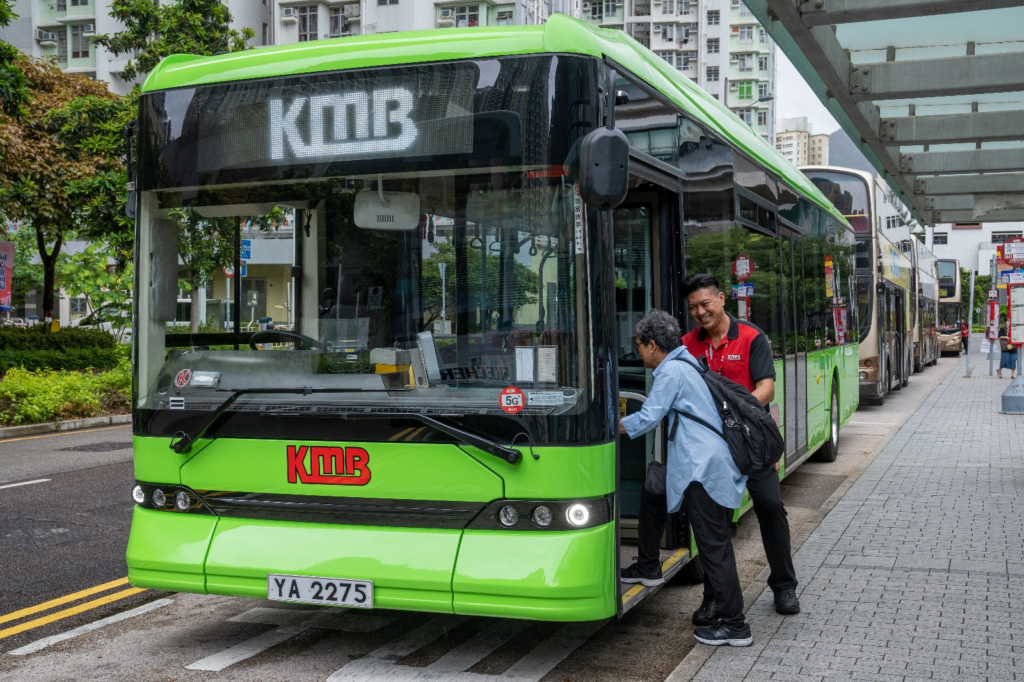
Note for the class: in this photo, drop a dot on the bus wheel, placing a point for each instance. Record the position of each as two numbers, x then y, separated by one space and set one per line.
830 450
693 572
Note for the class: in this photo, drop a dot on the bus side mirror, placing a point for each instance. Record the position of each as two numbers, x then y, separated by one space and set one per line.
604 168
163 258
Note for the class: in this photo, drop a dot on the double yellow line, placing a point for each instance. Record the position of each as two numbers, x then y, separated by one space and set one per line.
66 613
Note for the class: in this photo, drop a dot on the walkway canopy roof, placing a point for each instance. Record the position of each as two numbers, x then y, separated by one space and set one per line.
932 91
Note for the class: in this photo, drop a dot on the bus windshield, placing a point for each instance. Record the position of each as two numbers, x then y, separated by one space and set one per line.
848 193
949 316
946 269
395 240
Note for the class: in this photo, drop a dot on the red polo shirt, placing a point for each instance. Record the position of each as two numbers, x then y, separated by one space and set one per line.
744 356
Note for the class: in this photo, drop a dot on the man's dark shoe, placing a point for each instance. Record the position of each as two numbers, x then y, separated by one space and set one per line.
633 574
707 614
723 635
786 602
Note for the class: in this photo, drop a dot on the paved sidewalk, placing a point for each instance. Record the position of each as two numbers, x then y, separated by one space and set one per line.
918 572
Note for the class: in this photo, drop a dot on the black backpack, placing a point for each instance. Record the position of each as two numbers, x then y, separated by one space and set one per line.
748 429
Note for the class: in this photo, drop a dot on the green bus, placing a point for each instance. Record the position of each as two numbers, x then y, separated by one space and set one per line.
456 232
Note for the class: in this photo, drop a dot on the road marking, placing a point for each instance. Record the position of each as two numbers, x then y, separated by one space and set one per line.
64 433
15 485
46 606
381 663
90 627
291 623
66 613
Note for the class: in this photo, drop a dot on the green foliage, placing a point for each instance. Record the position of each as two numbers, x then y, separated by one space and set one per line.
14 92
71 360
982 283
87 274
28 397
70 338
156 31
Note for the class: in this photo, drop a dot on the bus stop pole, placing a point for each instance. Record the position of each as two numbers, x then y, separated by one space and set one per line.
970 323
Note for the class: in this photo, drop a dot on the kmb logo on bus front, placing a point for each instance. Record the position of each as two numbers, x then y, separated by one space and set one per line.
330 465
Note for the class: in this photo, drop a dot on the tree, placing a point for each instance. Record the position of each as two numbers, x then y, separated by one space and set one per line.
14 93
40 162
185 27
88 274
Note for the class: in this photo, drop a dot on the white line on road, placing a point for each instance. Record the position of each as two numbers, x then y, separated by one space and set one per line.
478 648
90 627
15 485
291 624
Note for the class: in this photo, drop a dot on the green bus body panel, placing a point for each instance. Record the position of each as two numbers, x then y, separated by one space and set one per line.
560 35
558 473
543 576
155 462
166 550
411 568
416 471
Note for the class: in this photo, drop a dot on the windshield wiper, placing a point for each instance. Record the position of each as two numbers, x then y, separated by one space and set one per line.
509 455
184 443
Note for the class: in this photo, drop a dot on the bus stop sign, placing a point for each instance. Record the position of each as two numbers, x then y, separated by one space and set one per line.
1013 251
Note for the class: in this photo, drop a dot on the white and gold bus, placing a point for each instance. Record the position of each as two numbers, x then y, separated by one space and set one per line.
951 313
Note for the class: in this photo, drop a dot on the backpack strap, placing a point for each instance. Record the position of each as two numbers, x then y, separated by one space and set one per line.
694 418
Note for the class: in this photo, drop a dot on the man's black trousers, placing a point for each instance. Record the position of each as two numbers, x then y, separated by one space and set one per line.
710 524
766 495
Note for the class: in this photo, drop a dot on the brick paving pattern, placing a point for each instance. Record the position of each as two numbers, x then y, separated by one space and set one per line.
918 572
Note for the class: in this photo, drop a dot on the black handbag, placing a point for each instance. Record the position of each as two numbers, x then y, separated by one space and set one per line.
655 481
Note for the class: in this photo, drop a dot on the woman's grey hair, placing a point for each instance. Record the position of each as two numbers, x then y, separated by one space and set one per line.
660 327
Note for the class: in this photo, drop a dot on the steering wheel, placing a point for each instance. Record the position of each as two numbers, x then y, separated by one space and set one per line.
265 335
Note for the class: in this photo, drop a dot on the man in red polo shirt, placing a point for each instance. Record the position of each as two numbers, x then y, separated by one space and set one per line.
741 352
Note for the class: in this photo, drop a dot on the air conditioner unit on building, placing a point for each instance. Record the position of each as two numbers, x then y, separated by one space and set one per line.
351 11
89 29
733 86
45 37
288 15
586 6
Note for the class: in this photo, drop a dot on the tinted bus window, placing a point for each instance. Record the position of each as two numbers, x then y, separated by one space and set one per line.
848 193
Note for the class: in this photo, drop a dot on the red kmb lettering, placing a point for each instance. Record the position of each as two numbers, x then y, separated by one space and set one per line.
328 465
296 463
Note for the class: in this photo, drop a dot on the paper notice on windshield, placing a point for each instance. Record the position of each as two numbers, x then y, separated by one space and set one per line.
524 364
577 218
547 364
546 398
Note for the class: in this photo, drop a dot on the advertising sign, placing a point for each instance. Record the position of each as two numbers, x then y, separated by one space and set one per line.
6 274
992 329
741 268
1013 251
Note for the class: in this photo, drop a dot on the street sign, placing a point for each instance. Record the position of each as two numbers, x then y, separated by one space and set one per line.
1012 278
229 271
993 294
1013 251
6 274
741 268
242 268
246 250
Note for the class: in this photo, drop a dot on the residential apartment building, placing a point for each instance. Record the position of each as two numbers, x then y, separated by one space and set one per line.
65 29
794 140
974 244
718 44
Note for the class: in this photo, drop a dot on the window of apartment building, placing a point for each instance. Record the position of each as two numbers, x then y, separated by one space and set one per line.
667 56
745 116
62 5
712 74
668 6
762 36
336 21
762 63
79 42
746 62
610 6
467 16
762 90
713 45
504 19
735 3
78 306
308 23
381 3
79 3
745 90
668 31
641 8
966 226
685 6
762 118
596 10
62 45
744 10
266 35
744 33
714 17
940 239
1003 237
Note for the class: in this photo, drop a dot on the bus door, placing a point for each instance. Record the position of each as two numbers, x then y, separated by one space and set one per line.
794 381
899 357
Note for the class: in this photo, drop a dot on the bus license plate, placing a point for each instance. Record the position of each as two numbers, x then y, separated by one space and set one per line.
323 591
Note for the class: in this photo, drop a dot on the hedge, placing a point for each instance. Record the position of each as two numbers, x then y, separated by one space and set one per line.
32 397
34 338
71 360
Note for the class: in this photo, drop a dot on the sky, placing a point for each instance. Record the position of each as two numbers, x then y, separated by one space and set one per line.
794 98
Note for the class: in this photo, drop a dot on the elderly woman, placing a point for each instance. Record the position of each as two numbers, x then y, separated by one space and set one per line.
702 475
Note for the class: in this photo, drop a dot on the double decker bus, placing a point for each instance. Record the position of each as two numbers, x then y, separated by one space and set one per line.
926 331
436 426
886 291
951 307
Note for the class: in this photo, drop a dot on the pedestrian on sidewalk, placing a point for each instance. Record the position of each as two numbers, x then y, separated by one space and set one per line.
740 351
1008 356
965 332
701 476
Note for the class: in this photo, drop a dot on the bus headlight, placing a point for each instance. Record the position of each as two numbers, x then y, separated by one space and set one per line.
159 499
863 376
508 516
182 501
577 515
138 494
542 516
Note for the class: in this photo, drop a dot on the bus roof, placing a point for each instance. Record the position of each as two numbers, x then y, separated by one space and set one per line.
560 35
